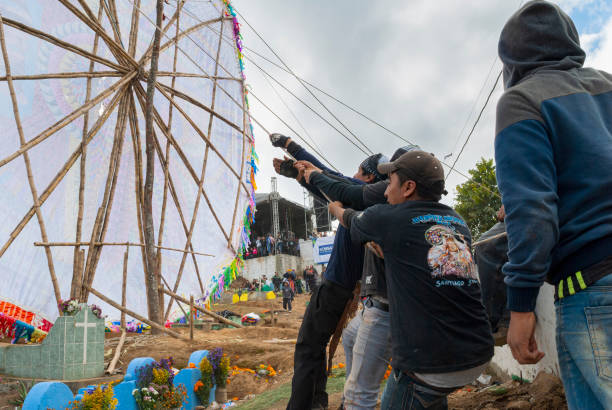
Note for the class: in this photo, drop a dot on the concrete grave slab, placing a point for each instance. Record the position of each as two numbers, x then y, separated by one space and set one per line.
74 349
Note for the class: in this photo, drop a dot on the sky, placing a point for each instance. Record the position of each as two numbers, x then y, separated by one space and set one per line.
422 69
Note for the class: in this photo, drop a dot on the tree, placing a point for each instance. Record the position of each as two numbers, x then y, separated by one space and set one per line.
478 198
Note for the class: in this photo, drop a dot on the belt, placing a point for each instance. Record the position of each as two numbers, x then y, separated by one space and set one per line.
369 302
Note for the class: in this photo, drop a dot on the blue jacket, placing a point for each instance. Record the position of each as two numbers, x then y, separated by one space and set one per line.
346 260
553 150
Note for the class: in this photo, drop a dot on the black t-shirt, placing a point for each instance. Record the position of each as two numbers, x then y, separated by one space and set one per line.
373 279
438 323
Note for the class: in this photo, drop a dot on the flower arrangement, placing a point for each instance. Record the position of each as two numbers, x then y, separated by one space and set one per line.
155 387
96 311
203 386
221 366
100 398
69 307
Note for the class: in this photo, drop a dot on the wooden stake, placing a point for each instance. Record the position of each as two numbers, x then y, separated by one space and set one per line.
26 158
111 367
191 317
205 311
124 285
135 315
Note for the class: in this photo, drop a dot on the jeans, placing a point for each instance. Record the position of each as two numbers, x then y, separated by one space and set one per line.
584 345
368 338
287 304
404 393
310 368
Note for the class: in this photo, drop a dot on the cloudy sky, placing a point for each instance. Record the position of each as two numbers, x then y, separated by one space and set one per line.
421 68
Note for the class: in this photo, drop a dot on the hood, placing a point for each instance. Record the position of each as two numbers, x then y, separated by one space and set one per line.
538 36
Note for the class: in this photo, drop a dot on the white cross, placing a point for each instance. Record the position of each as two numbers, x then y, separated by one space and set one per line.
85 325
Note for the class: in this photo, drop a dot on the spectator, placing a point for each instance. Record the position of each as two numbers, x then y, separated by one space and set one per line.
287 295
276 281
553 151
427 264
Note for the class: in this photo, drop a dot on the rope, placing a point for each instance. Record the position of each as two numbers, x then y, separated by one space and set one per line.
302 83
223 89
286 89
475 124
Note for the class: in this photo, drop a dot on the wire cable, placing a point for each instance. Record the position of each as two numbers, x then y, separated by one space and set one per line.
475 124
301 82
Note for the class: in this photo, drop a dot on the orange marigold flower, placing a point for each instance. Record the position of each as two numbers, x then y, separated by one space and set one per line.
191 366
341 365
235 399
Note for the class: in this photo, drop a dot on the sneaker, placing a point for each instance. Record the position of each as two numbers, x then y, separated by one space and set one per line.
278 140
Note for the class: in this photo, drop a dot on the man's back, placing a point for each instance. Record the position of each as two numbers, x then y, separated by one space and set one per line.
568 117
432 284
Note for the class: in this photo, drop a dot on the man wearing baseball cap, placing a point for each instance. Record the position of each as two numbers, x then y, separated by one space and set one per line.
440 335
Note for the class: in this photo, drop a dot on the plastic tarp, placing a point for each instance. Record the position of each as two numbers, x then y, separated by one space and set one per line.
24 271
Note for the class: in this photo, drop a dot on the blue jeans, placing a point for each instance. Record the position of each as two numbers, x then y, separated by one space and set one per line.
584 345
368 338
404 393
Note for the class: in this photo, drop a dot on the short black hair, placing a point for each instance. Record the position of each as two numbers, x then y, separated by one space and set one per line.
431 192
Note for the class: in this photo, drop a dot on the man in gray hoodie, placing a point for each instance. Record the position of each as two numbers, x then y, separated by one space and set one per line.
553 151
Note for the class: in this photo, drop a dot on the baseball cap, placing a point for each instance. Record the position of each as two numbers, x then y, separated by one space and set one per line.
420 166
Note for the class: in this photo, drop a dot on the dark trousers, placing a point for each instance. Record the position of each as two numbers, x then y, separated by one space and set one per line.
322 315
287 303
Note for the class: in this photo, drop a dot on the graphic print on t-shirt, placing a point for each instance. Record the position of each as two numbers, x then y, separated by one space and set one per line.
449 254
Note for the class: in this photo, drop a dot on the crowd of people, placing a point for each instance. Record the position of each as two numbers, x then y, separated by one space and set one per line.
420 288
286 243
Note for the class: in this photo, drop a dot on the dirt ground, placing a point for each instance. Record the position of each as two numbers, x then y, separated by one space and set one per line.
269 345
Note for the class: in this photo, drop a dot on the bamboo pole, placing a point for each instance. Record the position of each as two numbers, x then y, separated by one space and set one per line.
135 315
89 20
162 88
244 123
75 74
190 30
203 310
117 244
26 158
62 173
499 235
162 221
181 154
101 222
200 184
57 42
69 118
111 367
119 135
163 162
191 317
77 280
349 310
149 229
134 29
126 255
166 89
146 56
